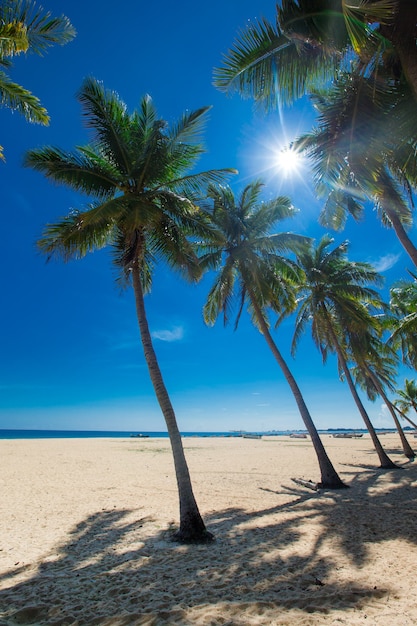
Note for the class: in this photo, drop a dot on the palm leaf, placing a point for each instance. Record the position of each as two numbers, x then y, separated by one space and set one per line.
21 100
84 170
42 30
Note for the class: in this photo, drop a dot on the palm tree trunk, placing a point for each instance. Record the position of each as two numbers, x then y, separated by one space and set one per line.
192 528
384 459
408 451
329 477
404 416
402 33
402 236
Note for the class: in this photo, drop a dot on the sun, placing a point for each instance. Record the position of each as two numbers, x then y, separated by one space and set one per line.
288 161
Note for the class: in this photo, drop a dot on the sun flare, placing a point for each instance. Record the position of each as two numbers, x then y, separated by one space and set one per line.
288 161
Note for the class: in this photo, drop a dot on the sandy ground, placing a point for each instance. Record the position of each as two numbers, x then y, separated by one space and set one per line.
83 534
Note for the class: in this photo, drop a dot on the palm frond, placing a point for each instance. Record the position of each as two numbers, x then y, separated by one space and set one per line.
220 296
194 186
42 29
72 238
83 170
189 127
21 100
106 115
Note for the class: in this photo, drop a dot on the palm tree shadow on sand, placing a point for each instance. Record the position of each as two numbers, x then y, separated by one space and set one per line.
116 568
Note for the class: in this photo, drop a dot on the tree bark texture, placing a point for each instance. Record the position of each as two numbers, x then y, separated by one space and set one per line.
192 528
329 477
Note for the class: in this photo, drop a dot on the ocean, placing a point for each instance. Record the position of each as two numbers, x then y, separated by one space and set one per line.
88 434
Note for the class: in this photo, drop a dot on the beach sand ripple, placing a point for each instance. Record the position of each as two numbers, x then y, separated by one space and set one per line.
86 525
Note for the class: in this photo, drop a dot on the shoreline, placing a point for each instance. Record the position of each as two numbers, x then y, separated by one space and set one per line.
85 521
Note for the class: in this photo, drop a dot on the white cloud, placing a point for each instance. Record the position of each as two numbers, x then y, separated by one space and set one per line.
176 334
386 262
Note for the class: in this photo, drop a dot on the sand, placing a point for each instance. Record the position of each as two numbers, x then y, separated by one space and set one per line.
83 534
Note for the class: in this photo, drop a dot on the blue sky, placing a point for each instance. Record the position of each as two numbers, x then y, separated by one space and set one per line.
71 356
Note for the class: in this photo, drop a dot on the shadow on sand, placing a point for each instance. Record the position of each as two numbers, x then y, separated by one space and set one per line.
116 568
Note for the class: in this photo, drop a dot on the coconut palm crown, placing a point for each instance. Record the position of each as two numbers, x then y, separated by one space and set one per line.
137 171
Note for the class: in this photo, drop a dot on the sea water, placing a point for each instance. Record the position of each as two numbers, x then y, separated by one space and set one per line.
86 434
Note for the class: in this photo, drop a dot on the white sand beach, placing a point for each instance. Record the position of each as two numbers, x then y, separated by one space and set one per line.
83 534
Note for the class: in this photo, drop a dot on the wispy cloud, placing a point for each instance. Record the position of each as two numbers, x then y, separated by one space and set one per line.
385 262
176 334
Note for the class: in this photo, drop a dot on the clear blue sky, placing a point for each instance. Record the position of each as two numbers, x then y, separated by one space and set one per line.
70 351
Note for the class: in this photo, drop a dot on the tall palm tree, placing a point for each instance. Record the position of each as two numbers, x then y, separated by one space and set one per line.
26 28
252 271
136 168
334 299
354 162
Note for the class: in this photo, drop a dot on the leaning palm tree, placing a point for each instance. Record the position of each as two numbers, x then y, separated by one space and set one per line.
145 206
407 397
375 371
334 299
26 28
252 270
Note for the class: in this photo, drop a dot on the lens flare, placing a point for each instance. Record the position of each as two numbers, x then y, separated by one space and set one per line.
288 161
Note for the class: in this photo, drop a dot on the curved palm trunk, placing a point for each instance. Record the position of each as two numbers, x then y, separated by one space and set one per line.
329 477
404 239
413 424
408 451
192 528
384 459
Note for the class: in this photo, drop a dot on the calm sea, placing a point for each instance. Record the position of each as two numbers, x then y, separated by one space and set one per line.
86 434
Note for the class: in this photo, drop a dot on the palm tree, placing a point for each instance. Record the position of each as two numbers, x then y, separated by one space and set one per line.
403 320
26 28
354 162
368 52
334 299
252 271
375 370
136 169
311 41
407 397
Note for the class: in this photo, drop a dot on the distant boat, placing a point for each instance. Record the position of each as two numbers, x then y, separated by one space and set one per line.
249 436
140 436
298 436
348 435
